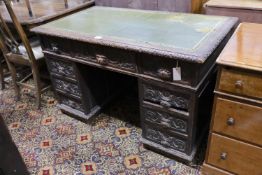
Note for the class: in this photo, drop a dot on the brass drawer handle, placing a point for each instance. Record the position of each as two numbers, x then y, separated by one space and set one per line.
101 59
165 104
230 121
239 84
223 156
164 74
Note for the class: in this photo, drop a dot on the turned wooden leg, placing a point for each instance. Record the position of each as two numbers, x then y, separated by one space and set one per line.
37 82
14 79
2 78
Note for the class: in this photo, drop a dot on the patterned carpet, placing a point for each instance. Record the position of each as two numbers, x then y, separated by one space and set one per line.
53 143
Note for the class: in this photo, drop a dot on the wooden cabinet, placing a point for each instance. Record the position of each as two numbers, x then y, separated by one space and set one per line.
245 10
190 6
235 140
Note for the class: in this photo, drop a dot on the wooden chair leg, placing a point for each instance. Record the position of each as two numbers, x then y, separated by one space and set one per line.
37 82
2 78
14 79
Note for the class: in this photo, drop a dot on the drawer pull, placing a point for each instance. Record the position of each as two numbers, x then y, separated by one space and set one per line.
239 84
165 104
230 121
55 48
223 156
101 59
164 74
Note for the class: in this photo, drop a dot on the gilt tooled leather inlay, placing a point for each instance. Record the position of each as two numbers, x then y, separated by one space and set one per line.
166 120
61 68
71 104
165 140
67 87
164 96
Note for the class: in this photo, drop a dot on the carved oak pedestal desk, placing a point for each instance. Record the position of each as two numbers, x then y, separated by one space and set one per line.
235 140
84 50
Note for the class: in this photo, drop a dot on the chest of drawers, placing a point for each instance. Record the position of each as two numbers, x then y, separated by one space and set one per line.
235 140
245 10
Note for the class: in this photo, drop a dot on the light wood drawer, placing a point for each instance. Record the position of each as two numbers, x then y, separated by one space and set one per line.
207 169
238 120
235 156
242 83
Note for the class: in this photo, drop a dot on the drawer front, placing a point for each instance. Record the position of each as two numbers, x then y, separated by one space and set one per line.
238 120
165 97
66 87
57 45
116 58
166 120
162 68
235 156
61 67
71 103
241 83
165 139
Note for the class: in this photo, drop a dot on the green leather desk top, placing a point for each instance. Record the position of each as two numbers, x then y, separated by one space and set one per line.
151 30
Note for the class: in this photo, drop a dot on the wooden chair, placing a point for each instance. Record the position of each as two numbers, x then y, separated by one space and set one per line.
27 53
3 73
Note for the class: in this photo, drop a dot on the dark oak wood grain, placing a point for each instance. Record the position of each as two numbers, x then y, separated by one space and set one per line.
174 114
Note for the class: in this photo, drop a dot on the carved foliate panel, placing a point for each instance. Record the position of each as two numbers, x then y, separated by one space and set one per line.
165 139
67 87
165 98
61 68
165 120
71 103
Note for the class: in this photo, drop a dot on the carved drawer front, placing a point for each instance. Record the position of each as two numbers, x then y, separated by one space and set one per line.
57 45
162 68
164 139
235 156
238 120
116 58
66 87
71 103
61 68
163 119
165 97
242 83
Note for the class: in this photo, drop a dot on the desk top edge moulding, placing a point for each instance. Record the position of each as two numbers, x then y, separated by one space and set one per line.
207 29
88 53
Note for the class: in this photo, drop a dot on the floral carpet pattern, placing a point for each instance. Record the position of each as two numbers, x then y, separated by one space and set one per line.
52 143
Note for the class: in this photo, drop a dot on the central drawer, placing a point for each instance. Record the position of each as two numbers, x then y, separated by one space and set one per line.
239 120
235 156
